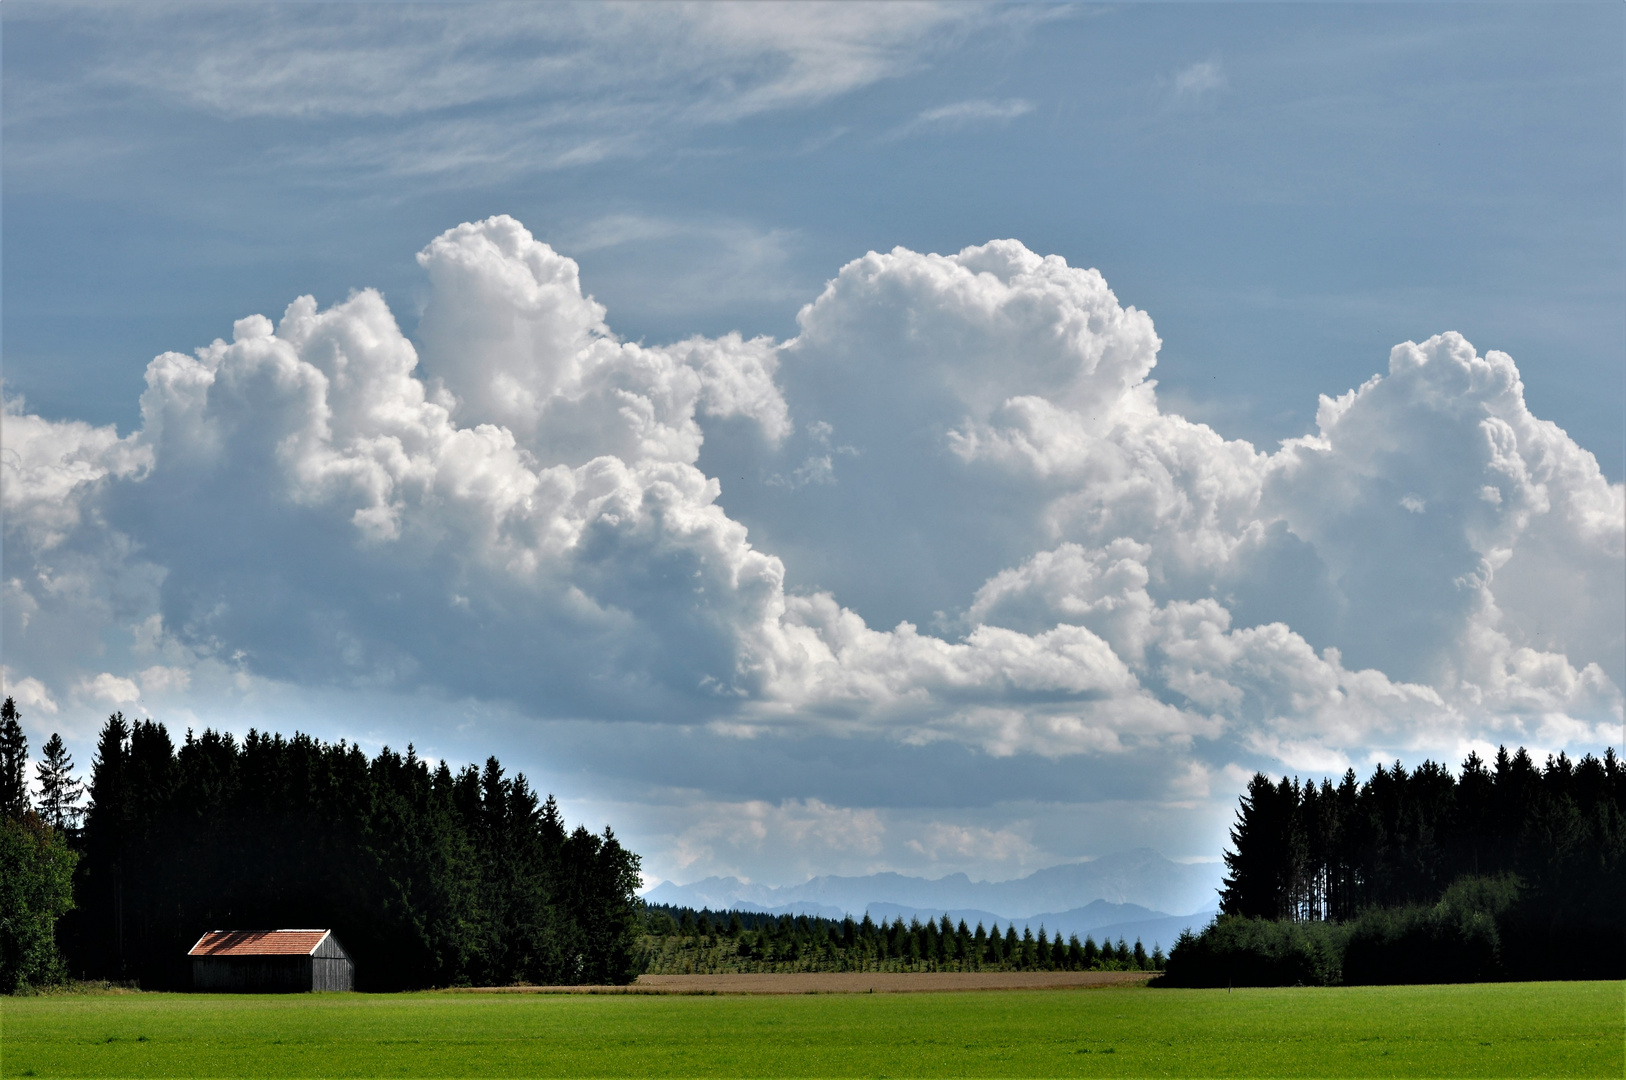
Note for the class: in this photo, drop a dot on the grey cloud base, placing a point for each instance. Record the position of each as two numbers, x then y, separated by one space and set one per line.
522 509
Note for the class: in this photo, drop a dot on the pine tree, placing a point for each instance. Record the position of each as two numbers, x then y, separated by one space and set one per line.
13 763
60 790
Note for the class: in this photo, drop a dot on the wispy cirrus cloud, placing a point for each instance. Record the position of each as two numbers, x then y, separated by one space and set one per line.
461 89
963 114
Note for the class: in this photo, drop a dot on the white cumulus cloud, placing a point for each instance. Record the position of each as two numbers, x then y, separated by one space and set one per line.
1008 545
1199 80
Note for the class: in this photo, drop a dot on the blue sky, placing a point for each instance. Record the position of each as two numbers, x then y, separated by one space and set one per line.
1114 614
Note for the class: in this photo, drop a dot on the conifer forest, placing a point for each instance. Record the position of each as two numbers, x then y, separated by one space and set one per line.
1507 869
433 877
429 877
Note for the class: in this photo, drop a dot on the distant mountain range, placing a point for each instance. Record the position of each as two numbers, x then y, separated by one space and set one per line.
1128 894
1099 919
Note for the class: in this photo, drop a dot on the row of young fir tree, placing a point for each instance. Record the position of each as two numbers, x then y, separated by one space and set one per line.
681 940
429 877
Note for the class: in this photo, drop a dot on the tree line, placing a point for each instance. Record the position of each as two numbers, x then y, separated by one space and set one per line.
686 941
429 877
1506 869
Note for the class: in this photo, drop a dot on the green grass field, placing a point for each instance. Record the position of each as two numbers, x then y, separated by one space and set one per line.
1524 1029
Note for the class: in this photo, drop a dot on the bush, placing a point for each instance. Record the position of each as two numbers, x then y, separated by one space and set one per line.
36 887
1455 940
1458 939
1238 951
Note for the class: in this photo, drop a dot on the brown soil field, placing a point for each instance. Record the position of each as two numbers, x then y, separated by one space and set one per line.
846 982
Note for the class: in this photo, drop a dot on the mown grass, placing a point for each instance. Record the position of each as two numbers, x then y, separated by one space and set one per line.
1508 1029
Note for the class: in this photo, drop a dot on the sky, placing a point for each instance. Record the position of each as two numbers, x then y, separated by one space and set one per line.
823 439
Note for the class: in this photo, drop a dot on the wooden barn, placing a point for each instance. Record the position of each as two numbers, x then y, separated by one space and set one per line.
271 961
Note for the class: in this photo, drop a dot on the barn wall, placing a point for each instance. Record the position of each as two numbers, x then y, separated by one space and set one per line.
252 974
331 966
330 948
332 973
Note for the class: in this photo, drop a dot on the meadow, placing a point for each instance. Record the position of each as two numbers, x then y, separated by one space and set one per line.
1506 1029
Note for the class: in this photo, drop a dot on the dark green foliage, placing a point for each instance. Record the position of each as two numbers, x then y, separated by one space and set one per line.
1455 940
13 763
1308 852
1506 871
36 888
36 866
428 877
1239 950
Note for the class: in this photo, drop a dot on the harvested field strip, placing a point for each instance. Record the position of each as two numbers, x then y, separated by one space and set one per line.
1508 1029
842 982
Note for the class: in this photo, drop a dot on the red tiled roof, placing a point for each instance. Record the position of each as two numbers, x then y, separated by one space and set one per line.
258 943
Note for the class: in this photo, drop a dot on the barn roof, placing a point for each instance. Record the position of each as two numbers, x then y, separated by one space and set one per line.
258 942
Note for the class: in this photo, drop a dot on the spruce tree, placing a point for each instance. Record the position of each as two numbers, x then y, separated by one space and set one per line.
107 829
60 790
1267 851
13 763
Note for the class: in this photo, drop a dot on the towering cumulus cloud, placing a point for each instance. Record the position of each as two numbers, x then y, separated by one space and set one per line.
995 535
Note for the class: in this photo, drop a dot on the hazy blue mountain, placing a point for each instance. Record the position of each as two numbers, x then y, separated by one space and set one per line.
1079 920
1091 917
1103 920
972 916
1142 878
1162 931
802 907
717 893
